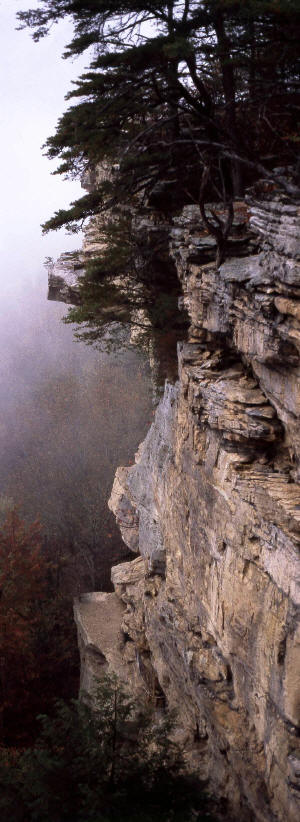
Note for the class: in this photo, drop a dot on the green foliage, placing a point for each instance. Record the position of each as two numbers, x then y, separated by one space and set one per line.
182 102
129 284
173 88
107 289
85 207
106 763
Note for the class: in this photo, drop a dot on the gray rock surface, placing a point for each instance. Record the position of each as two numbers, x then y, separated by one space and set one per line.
63 278
212 504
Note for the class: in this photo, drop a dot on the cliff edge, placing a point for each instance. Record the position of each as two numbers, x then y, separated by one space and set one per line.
209 614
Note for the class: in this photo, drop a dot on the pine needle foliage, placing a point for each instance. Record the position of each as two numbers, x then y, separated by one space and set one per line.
173 89
128 285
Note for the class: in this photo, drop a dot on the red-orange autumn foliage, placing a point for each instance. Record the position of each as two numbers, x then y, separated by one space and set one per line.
22 587
22 583
38 649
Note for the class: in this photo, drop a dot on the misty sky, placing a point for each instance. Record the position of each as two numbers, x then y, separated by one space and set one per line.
34 81
68 413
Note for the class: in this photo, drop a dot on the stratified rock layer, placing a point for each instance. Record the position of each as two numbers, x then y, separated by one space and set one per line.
213 506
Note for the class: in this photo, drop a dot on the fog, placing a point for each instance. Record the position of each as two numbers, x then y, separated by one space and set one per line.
68 415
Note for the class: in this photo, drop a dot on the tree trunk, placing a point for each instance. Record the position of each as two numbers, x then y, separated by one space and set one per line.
228 78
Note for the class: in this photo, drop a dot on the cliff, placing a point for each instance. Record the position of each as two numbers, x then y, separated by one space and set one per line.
209 616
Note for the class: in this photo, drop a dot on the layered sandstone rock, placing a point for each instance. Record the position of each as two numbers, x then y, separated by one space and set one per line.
212 504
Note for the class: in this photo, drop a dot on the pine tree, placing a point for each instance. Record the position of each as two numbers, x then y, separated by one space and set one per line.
185 102
176 91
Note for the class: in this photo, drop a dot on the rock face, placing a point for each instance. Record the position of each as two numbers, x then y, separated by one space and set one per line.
210 610
63 278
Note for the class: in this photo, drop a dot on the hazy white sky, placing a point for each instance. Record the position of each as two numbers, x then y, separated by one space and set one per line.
54 394
34 80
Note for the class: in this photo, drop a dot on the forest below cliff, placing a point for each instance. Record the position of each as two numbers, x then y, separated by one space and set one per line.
182 103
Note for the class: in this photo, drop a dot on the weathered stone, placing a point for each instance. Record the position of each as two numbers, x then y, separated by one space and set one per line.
144 531
214 489
126 515
103 643
254 303
63 283
98 617
208 614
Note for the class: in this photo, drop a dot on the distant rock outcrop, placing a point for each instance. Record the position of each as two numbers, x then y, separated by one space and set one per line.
63 278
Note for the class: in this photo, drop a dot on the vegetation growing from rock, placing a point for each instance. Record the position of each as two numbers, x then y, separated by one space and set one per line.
129 289
182 102
190 99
